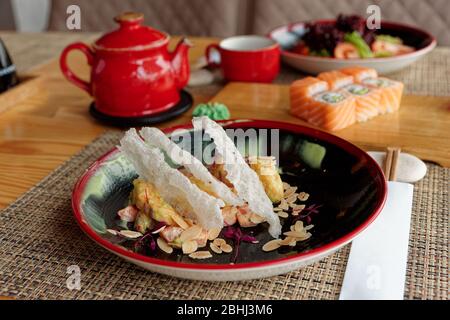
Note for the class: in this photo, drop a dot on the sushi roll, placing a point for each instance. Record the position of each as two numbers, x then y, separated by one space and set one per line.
391 93
332 110
335 79
367 101
301 91
360 73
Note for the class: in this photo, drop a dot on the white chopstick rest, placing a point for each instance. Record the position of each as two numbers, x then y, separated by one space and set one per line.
410 169
376 267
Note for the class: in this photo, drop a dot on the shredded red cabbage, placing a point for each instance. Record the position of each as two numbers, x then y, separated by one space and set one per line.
236 234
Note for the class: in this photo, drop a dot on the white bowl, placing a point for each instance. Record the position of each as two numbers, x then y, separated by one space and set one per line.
289 34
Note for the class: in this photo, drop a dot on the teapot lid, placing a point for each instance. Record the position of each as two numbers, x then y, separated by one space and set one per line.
131 35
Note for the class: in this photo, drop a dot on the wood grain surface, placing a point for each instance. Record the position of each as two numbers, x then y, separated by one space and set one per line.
420 127
41 132
44 130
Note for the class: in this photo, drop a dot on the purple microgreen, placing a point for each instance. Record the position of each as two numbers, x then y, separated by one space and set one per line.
307 214
152 244
249 238
236 234
148 240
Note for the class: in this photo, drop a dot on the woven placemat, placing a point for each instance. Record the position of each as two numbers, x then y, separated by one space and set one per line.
39 240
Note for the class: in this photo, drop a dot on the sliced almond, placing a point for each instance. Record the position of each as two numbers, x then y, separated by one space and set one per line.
164 246
305 237
292 198
226 248
309 227
215 248
112 231
303 196
283 205
283 214
290 191
271 245
130 234
219 242
298 226
286 185
191 233
159 230
213 233
295 212
189 246
287 241
299 207
277 209
308 235
180 221
201 255
256 218
293 243
295 234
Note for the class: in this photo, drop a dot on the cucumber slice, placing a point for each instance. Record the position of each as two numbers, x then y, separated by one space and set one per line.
312 154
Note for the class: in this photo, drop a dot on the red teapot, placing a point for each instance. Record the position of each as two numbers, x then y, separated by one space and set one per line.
132 72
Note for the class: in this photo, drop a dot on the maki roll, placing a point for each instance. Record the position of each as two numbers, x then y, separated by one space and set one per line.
335 79
367 101
391 93
360 73
301 91
332 110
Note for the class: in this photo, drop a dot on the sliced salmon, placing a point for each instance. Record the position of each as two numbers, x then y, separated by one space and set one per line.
360 73
335 79
367 101
332 110
300 93
391 93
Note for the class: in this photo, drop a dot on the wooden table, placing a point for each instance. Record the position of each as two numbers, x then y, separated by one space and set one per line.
41 132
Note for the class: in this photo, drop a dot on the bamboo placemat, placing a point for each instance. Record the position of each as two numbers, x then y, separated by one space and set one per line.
39 240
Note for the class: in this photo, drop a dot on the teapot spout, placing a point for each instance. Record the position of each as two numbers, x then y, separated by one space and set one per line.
180 62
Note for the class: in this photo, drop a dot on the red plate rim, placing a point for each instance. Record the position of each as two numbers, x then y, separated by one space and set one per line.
391 24
242 123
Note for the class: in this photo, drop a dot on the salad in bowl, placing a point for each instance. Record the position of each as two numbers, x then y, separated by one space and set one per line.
346 41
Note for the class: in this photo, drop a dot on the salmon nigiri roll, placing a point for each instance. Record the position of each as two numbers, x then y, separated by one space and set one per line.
300 93
391 93
367 101
332 110
360 73
335 79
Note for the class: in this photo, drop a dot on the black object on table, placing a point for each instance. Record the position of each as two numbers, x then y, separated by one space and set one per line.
8 76
181 107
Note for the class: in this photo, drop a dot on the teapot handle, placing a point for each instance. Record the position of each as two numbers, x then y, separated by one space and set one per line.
86 86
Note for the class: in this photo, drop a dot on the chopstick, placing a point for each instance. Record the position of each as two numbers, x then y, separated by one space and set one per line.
390 163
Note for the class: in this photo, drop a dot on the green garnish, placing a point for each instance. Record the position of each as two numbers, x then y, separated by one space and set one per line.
312 154
333 97
213 110
358 90
320 53
360 44
388 38
383 54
